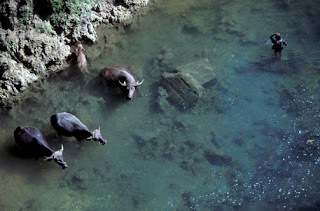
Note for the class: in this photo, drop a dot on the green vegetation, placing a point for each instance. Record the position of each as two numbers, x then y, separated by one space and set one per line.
61 9
26 13
44 28
58 12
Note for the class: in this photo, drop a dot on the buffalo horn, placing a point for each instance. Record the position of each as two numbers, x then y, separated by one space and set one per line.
124 83
139 83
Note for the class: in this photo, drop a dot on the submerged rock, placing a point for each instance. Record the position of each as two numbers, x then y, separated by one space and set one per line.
166 60
201 70
216 157
183 90
199 22
78 180
161 102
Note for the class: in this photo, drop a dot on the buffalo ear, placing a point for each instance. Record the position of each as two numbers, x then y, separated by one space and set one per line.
48 158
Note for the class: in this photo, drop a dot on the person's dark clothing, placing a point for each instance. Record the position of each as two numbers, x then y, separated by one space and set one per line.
277 44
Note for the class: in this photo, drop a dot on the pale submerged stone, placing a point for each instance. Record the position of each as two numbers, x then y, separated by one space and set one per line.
201 70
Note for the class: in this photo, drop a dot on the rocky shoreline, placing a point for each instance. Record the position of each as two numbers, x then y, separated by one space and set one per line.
37 37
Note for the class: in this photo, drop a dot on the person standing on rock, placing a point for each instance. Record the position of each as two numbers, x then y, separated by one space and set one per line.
277 44
81 59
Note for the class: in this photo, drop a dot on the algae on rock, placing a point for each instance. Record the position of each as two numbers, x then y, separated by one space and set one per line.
201 70
183 90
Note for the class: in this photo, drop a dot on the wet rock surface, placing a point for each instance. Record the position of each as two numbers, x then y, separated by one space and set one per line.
183 90
28 56
183 82
201 70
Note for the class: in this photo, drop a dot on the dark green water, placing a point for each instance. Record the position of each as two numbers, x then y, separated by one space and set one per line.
243 146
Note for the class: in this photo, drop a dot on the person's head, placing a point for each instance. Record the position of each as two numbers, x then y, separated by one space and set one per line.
277 36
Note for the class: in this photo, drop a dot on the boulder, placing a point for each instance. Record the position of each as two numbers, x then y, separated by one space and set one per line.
201 70
28 56
183 90
14 77
38 51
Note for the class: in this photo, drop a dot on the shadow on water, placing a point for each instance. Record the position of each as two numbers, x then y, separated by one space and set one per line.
113 94
154 105
271 64
292 65
84 89
17 161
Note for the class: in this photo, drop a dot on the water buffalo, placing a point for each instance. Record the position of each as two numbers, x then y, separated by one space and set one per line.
67 124
122 76
32 141
81 59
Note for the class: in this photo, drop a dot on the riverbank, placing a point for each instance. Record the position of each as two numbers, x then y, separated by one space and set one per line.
36 40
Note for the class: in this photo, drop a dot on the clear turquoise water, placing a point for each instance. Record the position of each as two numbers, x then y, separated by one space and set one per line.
259 116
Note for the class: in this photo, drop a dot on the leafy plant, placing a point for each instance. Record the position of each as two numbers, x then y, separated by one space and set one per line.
44 28
69 10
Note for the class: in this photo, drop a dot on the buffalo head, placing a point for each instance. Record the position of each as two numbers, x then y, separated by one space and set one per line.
96 136
131 87
58 158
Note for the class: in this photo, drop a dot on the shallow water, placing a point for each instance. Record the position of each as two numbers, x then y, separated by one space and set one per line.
243 146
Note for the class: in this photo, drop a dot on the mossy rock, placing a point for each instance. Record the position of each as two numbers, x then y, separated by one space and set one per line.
183 90
201 70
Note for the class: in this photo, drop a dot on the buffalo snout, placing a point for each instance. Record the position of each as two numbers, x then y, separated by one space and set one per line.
102 141
61 162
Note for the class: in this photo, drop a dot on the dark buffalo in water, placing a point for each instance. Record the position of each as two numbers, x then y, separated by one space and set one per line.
121 76
32 141
67 124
